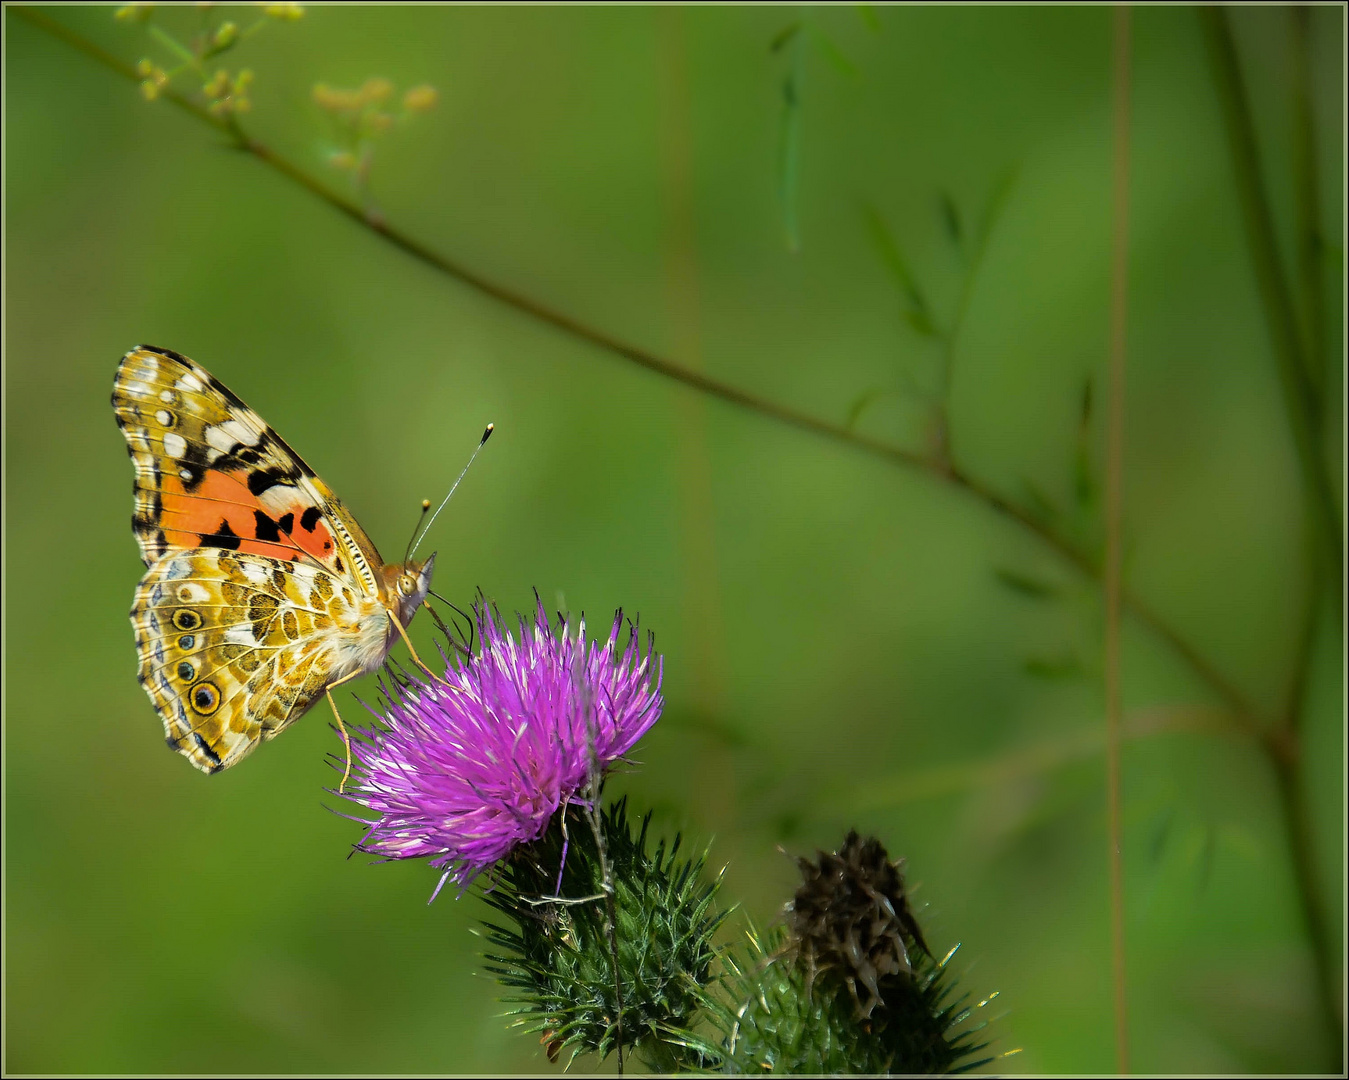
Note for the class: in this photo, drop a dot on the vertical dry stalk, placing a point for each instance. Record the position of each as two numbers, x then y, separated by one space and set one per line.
702 608
1114 498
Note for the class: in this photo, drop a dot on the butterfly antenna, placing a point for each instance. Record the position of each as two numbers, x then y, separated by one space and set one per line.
426 507
426 503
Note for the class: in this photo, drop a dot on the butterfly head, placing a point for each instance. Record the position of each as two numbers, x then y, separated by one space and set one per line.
408 585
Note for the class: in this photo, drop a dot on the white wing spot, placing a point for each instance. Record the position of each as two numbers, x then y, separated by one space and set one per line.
240 634
176 446
222 437
189 382
166 396
186 474
163 417
281 497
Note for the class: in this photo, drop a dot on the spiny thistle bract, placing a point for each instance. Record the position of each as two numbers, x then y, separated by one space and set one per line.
560 954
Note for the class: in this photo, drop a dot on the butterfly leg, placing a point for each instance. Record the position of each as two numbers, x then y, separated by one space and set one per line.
341 727
416 659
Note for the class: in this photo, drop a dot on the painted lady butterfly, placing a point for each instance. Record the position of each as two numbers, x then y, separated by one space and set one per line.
262 591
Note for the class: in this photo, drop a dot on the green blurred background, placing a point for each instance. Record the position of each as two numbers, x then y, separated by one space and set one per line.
844 640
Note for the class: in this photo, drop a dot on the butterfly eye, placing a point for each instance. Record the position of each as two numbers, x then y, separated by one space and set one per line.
407 585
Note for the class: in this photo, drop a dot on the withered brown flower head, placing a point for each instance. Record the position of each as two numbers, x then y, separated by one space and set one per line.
851 919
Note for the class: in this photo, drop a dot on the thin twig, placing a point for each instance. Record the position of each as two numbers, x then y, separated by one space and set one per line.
839 433
952 335
1114 517
1304 413
1307 205
1299 396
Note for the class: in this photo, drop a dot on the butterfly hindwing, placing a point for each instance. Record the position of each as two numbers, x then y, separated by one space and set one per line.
210 473
234 647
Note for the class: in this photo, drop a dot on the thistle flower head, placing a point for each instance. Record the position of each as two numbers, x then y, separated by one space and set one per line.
468 767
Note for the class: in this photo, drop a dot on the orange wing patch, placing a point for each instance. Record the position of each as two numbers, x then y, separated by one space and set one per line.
210 473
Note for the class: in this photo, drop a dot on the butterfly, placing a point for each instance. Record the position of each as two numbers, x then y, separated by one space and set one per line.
261 591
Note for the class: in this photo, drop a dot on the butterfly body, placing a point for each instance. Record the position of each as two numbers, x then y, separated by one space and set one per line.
261 590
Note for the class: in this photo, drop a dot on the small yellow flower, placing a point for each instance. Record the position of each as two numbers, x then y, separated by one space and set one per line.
334 100
149 89
244 80
219 85
224 37
376 91
145 68
420 98
134 12
284 11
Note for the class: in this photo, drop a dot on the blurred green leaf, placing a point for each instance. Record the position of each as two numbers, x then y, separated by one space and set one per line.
1205 856
1054 669
997 202
1040 504
1025 584
917 314
783 36
789 138
1084 473
831 52
920 320
863 402
950 217
869 17
1161 833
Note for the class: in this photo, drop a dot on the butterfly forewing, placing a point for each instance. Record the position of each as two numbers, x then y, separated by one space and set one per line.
210 473
262 590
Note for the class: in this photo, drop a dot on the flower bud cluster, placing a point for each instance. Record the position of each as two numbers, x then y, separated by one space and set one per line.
365 113
225 95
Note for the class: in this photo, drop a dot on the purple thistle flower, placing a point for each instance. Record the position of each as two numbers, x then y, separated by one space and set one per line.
468 768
